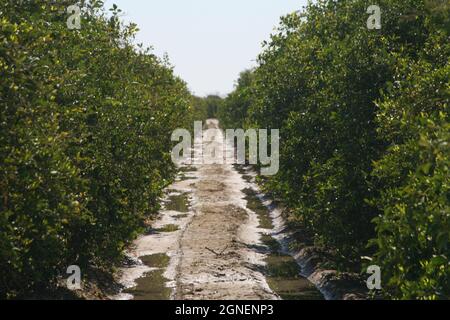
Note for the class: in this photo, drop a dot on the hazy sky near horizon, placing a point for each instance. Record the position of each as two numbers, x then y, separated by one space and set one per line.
209 42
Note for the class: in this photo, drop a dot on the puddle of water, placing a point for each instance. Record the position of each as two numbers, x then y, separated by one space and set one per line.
152 286
271 243
178 203
254 204
168 228
180 216
283 275
282 272
186 178
159 260
188 169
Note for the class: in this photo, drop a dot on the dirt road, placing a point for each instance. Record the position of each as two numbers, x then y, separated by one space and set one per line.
216 259
207 242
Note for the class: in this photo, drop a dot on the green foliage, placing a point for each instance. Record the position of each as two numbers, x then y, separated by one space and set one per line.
414 230
363 116
85 126
232 113
206 107
200 109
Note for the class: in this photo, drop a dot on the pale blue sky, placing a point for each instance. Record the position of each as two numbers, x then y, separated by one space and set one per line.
208 41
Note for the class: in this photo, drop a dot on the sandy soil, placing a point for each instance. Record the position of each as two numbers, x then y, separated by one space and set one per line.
212 255
213 241
217 261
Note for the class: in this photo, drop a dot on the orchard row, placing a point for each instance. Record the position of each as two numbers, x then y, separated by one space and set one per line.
364 127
